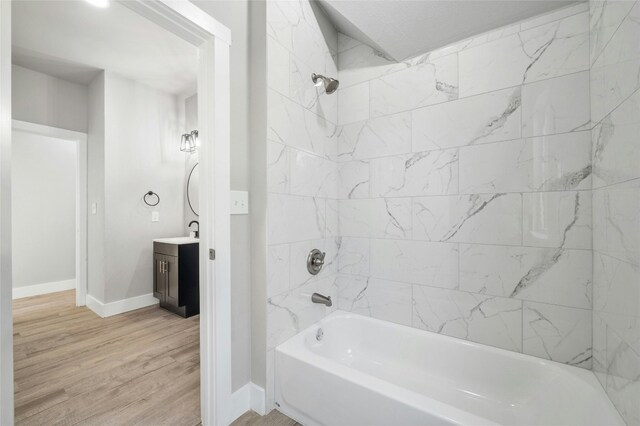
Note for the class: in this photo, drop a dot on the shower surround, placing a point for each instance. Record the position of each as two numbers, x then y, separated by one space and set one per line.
464 185
452 192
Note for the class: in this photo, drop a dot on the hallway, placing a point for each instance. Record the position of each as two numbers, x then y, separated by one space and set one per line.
73 367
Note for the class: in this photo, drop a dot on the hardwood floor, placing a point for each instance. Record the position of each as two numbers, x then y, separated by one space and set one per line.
274 418
73 367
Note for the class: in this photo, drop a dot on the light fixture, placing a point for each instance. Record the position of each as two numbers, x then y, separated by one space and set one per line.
189 141
99 3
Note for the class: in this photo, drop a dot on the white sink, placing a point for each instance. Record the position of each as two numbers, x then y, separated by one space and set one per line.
177 240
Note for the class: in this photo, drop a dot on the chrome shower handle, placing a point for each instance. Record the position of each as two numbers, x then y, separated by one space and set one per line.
315 261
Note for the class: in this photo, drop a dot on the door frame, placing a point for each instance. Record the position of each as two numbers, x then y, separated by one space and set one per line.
213 41
80 141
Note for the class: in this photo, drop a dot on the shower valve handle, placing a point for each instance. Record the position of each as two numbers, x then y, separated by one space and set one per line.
315 261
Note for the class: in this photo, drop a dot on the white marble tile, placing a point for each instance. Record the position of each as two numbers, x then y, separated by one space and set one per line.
557 333
362 63
416 262
353 256
375 218
280 17
616 221
353 179
485 118
479 218
277 67
303 91
616 153
308 40
332 220
278 176
616 292
623 45
293 218
599 351
290 313
555 15
611 85
295 126
312 175
422 173
558 276
278 264
385 300
426 83
546 51
557 219
299 275
488 320
606 17
375 138
353 103
558 105
622 383
549 163
474 41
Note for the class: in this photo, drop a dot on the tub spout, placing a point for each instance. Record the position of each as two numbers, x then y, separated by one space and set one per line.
318 298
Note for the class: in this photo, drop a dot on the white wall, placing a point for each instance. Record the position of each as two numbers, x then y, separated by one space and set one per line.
235 15
95 189
43 99
142 153
43 209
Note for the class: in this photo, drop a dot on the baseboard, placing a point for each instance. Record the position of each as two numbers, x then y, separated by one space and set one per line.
44 288
114 308
258 396
248 397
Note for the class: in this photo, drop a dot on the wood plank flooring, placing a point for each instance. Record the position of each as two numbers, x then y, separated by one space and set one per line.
75 368
274 418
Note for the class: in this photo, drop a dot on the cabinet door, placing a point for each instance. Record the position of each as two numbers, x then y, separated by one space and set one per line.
171 271
159 277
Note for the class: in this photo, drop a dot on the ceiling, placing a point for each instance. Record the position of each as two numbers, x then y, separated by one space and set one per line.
74 40
405 28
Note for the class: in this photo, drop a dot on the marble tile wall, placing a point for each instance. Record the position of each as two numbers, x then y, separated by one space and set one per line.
302 170
464 187
615 111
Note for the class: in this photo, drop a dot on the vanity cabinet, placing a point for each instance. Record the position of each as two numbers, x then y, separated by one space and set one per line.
176 275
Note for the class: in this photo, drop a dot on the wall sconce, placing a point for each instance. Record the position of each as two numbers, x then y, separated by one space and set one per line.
189 141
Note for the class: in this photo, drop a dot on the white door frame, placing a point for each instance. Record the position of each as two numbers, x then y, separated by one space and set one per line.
80 140
213 40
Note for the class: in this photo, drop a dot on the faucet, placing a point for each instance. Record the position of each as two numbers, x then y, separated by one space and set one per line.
197 230
319 298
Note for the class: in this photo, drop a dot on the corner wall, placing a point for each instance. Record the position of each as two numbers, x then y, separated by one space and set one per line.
615 110
464 186
301 170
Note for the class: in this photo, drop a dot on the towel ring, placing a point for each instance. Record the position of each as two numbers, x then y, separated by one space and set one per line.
149 194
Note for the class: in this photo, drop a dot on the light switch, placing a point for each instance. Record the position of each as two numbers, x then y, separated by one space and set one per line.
239 202
94 208
155 216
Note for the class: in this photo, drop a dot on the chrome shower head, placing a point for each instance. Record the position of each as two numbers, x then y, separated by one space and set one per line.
330 84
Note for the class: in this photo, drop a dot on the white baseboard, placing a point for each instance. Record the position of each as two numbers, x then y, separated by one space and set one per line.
44 288
114 308
248 397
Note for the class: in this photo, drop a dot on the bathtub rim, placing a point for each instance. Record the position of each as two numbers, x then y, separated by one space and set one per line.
296 347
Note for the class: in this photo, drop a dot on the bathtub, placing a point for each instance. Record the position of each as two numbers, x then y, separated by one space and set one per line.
370 372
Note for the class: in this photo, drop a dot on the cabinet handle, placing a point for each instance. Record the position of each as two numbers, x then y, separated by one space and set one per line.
164 266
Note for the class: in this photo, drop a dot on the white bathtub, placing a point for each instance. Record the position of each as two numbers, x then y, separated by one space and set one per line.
370 372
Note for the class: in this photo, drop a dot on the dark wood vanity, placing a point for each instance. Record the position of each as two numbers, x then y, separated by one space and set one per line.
176 275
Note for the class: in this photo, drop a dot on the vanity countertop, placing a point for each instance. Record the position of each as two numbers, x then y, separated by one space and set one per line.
177 240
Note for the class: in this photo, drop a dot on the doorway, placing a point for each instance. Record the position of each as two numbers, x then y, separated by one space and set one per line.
49 180
212 40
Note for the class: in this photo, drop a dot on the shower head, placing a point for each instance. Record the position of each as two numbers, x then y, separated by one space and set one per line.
330 84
